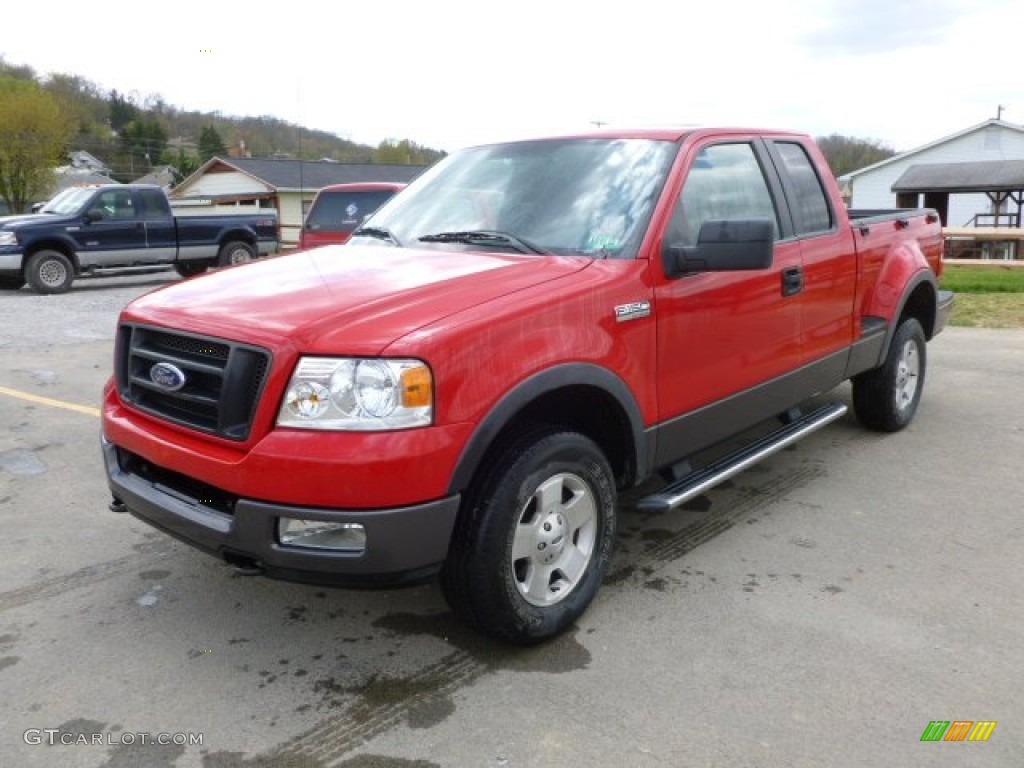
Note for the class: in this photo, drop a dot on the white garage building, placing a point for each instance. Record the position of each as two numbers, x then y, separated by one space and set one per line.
992 141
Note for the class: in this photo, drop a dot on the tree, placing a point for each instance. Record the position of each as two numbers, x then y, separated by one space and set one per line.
184 163
122 111
33 137
210 144
144 138
405 152
846 153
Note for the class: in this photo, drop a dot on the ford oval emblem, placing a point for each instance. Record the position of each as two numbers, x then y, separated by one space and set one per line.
169 378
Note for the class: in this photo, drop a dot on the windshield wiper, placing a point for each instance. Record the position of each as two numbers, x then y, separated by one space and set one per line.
485 237
377 232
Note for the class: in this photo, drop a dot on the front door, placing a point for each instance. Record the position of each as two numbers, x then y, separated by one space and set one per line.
723 334
116 236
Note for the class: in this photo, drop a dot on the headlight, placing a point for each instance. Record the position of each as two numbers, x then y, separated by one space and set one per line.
358 394
8 238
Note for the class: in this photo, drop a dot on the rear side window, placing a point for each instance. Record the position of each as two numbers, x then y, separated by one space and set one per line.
344 211
154 204
811 208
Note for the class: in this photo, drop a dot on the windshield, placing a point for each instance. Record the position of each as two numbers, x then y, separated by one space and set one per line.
589 197
69 201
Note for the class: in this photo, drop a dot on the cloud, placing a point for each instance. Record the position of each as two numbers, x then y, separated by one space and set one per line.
845 28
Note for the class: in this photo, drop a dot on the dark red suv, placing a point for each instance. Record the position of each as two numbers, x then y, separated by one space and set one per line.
339 208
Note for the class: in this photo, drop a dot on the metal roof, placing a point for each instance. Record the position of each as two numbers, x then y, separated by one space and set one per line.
989 176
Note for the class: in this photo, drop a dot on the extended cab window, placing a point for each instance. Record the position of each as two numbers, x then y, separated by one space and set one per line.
724 182
154 204
810 208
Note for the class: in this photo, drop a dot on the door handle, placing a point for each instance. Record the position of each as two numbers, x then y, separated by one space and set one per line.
792 281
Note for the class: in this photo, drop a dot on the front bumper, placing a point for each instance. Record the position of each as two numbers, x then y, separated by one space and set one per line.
403 545
11 259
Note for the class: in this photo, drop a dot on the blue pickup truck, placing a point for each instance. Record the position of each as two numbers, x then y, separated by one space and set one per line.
119 228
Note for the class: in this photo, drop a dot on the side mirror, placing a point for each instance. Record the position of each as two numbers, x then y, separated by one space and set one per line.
93 215
723 245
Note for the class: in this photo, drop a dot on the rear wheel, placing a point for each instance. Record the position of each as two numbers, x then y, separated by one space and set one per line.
49 272
235 252
534 539
886 398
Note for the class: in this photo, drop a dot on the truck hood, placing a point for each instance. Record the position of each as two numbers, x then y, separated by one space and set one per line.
20 221
343 299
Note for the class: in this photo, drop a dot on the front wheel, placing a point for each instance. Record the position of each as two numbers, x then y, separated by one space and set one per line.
49 272
235 252
534 539
886 398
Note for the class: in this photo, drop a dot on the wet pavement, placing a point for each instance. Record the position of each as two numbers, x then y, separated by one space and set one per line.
820 609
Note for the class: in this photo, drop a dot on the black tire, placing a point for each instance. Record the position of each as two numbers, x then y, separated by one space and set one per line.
520 573
11 282
49 272
235 252
191 268
885 399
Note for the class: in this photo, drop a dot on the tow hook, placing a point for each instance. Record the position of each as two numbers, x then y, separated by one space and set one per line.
242 565
116 505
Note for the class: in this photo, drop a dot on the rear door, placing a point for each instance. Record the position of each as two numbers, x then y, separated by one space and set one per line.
161 235
829 259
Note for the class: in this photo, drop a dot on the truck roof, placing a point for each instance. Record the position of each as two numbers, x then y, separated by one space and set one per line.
664 133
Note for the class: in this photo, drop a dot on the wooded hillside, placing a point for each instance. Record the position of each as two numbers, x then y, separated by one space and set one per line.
132 133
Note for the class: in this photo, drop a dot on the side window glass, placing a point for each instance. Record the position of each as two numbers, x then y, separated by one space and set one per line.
115 204
724 182
153 205
124 208
811 205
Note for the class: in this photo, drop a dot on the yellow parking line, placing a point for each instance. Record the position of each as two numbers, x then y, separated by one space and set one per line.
87 410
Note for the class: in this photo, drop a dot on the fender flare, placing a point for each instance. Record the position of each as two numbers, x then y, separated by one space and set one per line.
908 290
49 241
537 385
233 232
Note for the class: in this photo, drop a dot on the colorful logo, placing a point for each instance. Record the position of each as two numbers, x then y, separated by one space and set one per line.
958 730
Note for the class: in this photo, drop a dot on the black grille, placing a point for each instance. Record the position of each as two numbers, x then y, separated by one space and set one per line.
222 380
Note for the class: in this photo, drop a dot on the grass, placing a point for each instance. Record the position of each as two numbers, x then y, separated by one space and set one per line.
964 279
987 297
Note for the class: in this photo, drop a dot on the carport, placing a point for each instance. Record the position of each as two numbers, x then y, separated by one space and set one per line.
994 233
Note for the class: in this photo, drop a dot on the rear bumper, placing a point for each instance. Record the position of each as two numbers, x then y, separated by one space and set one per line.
943 309
403 545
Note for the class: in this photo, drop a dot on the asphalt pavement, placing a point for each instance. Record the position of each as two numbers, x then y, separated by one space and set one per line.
820 609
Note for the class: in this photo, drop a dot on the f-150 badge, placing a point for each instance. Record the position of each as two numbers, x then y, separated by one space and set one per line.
632 311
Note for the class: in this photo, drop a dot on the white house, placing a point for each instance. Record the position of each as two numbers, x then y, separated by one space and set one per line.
992 141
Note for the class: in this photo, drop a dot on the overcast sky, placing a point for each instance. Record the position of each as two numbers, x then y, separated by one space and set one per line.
446 73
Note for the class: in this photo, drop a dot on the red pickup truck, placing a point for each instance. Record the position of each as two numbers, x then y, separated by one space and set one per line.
524 331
